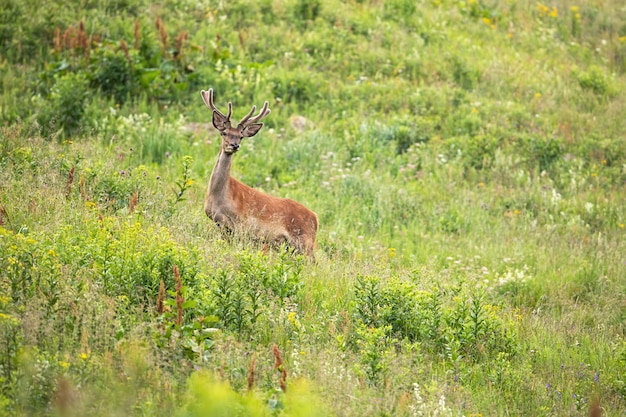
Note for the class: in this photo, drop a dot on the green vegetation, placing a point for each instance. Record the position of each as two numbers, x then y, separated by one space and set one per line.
466 159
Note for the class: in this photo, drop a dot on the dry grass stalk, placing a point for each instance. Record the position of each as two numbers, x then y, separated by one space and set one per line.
278 365
595 410
4 216
57 41
160 303
124 48
137 34
81 188
251 372
68 183
179 297
132 204
179 43
162 35
65 397
241 40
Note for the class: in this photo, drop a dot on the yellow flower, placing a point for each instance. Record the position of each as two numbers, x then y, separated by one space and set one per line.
622 38
621 225
604 162
593 174
574 9
64 364
537 95
83 355
392 252
486 20
90 204
554 12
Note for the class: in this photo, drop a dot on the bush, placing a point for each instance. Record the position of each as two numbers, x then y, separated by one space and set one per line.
440 323
593 79
112 75
64 108
477 152
539 152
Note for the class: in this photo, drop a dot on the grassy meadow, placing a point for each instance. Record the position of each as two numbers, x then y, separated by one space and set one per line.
466 159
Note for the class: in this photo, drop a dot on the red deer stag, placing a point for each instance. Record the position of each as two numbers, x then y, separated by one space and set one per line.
240 208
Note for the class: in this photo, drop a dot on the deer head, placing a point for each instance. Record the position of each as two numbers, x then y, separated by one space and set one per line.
231 136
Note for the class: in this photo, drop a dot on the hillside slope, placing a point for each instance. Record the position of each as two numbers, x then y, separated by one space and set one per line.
466 161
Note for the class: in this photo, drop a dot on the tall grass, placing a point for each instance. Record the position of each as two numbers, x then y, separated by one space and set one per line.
465 159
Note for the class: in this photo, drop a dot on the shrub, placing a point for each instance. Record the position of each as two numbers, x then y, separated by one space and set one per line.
306 11
593 79
64 108
441 323
477 152
112 74
539 152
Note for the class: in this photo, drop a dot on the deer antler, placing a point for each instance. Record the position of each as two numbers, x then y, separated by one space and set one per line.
246 121
207 96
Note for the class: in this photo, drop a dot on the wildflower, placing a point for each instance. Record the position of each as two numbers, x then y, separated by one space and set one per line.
621 225
593 174
537 95
64 364
291 317
90 204
392 252
574 9
486 20
554 12
481 184
622 39
83 355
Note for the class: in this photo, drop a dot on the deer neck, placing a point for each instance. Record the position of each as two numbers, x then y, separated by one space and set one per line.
218 184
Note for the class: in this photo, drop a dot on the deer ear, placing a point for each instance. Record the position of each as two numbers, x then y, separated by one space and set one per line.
220 122
251 130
